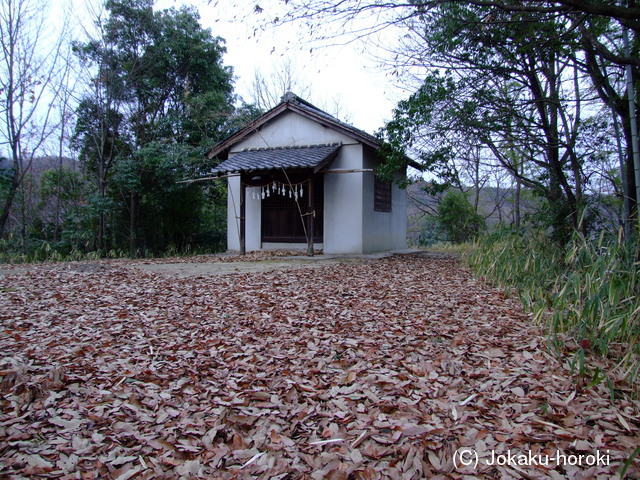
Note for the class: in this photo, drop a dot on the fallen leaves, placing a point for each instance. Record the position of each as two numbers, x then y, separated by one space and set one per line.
378 369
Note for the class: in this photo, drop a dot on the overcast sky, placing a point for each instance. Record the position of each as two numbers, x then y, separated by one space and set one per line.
339 73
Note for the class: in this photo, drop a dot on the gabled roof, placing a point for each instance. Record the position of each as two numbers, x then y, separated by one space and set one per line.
259 159
296 104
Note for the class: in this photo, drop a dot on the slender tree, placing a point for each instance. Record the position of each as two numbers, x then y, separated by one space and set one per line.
29 66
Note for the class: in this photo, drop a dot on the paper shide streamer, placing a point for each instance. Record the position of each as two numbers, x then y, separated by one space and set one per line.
295 191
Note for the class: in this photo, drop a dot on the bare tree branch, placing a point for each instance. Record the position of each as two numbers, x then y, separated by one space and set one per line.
29 71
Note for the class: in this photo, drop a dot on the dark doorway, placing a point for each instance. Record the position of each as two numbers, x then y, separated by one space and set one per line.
281 220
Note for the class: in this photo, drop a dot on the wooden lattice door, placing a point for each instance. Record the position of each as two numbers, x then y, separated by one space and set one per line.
281 220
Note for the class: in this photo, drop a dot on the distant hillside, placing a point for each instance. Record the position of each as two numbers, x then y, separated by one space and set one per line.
42 164
496 205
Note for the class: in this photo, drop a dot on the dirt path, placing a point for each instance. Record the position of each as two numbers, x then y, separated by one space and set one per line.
196 269
206 265
404 367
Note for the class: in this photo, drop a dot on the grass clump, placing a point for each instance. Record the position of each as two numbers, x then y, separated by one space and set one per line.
12 252
589 289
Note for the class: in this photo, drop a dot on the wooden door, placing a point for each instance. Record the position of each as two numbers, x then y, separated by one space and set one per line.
281 219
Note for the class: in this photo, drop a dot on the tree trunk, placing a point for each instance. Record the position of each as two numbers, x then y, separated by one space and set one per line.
561 197
133 225
610 96
23 216
476 181
516 207
8 203
102 192
58 207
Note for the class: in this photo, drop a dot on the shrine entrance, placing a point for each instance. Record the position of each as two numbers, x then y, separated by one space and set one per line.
283 211
286 184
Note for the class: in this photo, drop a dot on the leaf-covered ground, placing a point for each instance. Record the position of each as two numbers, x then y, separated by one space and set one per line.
404 367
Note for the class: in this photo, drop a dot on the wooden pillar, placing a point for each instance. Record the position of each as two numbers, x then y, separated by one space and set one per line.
310 218
243 223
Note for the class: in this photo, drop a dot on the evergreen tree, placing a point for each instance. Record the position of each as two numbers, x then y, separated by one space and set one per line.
161 96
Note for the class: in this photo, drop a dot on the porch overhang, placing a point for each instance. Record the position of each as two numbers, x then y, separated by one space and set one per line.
289 166
254 160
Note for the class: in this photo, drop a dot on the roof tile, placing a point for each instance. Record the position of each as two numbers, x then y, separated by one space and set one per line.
258 159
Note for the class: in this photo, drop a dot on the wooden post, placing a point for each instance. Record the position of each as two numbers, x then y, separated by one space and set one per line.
310 219
243 227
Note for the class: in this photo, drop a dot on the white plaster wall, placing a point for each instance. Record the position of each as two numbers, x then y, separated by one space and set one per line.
233 211
291 129
343 203
399 215
252 213
383 230
254 219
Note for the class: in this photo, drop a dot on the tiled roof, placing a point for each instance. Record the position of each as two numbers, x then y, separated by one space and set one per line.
296 104
260 159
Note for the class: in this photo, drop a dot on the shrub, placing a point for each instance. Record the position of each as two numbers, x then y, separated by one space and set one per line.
457 217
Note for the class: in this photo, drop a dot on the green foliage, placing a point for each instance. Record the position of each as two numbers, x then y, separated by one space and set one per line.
505 96
589 290
420 119
161 96
158 98
61 221
457 217
64 184
99 136
159 64
6 175
170 212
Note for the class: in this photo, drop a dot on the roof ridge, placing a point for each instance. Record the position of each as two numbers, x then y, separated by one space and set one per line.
290 147
290 97
292 102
